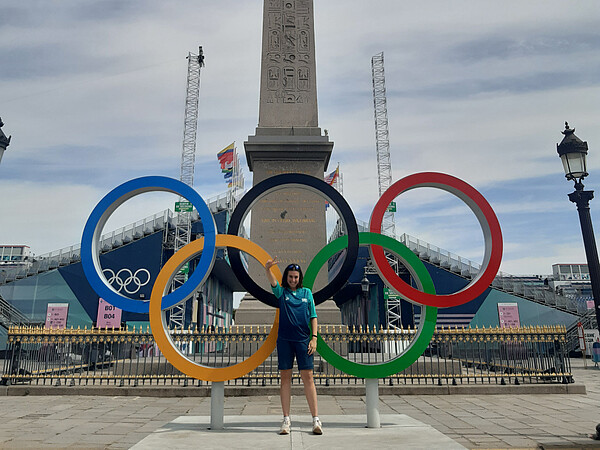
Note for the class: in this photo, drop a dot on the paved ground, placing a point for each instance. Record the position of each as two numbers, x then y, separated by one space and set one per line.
343 432
474 421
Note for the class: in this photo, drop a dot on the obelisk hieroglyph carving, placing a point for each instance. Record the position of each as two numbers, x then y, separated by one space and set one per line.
290 223
288 93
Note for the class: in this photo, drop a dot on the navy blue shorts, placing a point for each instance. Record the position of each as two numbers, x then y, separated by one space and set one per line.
286 350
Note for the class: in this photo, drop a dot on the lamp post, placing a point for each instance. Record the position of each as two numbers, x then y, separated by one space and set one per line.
364 284
573 152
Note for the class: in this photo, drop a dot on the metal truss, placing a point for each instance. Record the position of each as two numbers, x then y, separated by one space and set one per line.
384 164
183 222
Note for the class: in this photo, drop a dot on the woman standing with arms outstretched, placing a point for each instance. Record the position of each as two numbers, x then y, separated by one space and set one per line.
297 317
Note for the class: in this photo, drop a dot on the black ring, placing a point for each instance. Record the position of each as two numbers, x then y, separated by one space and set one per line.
306 182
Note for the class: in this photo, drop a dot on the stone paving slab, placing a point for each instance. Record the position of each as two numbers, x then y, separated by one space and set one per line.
186 432
471 418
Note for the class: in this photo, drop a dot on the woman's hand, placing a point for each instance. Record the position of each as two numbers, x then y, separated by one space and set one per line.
271 262
312 346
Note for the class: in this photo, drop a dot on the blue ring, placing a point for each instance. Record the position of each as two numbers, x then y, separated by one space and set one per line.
93 229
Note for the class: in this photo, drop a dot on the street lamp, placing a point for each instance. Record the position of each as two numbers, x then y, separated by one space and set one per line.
573 152
364 284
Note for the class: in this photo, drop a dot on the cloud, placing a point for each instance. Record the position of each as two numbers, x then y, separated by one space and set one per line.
94 94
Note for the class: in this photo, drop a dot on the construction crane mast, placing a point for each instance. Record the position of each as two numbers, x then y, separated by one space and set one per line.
384 176
384 163
183 221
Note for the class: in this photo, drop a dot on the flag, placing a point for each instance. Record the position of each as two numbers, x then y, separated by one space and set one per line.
238 174
225 156
330 179
230 166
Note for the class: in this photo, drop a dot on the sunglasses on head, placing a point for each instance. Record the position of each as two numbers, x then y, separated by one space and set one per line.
293 267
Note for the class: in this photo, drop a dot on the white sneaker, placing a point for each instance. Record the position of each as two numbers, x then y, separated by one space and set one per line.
317 426
285 426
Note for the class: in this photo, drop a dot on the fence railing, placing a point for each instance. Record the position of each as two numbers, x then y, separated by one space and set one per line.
121 357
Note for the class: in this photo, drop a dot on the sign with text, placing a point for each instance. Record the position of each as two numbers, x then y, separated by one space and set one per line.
590 338
184 207
388 294
508 315
56 315
109 316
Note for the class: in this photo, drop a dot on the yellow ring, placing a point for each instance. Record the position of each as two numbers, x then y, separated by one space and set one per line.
158 322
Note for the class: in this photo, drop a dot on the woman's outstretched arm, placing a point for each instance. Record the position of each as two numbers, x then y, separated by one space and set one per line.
270 276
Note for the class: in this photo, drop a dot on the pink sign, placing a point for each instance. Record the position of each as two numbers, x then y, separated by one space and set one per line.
109 316
590 304
508 315
56 315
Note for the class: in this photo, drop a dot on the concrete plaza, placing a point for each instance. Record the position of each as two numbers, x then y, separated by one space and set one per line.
419 421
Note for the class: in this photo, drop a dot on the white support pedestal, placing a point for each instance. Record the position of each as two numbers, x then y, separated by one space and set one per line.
372 385
217 405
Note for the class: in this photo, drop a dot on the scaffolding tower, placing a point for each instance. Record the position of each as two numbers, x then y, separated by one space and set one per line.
384 163
384 177
183 220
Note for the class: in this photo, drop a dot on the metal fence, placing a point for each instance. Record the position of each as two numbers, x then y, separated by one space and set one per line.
35 355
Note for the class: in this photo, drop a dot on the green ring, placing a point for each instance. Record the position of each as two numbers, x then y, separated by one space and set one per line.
426 327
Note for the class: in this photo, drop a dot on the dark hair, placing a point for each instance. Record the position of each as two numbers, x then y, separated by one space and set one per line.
296 268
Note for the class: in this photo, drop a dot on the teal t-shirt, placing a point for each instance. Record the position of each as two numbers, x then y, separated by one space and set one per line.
296 308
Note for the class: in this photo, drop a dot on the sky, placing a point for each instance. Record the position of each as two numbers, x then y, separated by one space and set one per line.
93 94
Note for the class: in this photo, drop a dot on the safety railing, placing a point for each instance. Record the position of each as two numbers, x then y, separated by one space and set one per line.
68 255
9 315
121 236
121 357
530 287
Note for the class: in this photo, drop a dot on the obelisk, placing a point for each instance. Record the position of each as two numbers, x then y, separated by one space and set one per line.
290 223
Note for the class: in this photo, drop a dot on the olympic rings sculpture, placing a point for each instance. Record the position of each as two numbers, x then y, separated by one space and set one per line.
124 284
206 247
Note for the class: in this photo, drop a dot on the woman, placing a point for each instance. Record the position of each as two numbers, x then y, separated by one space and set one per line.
295 339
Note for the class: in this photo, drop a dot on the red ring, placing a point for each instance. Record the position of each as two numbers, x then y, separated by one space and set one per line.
487 219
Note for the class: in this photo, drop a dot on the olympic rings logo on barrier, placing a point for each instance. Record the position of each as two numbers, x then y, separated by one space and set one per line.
123 284
207 246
